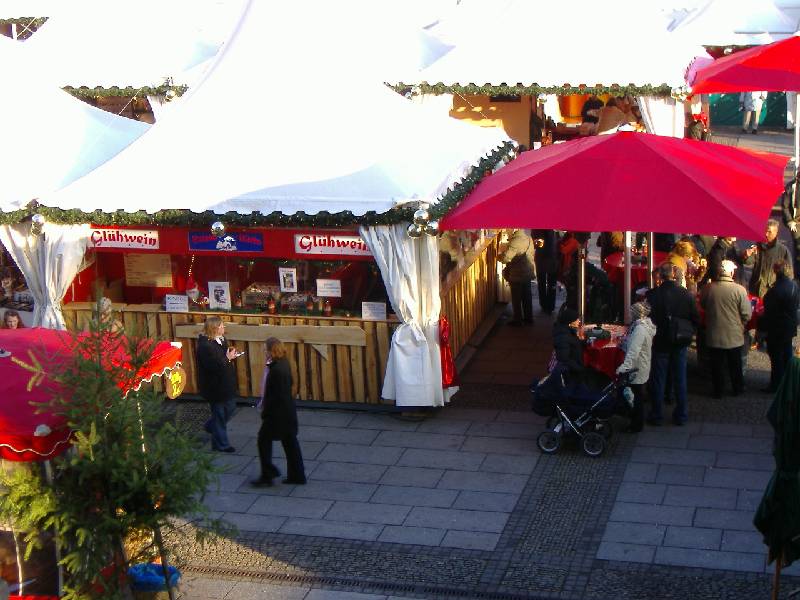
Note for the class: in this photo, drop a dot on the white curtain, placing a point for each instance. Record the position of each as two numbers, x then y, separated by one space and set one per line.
662 116
410 270
49 261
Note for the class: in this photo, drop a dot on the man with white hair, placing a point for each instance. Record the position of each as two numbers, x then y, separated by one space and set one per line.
728 310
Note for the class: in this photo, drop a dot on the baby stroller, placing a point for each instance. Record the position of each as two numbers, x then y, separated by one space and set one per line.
576 410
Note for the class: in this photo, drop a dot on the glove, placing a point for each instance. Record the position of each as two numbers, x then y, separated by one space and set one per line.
793 226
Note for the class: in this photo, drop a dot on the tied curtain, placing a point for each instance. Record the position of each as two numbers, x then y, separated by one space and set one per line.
49 261
662 116
410 270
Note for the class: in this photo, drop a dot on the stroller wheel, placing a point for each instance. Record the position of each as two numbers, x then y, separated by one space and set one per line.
549 442
604 428
593 444
552 422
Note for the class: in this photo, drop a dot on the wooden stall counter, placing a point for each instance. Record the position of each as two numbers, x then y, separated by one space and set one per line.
333 359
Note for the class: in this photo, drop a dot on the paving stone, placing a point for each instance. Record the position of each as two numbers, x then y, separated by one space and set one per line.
231 463
291 507
517 416
486 501
641 472
709 559
462 520
505 430
631 512
385 422
501 445
205 587
743 460
339 435
227 482
333 529
670 456
325 418
413 476
335 490
663 439
730 443
228 501
414 496
680 474
336 471
442 459
368 512
340 595
309 448
444 426
413 439
726 429
502 463
264 591
486 482
700 496
470 540
254 522
737 478
749 500
634 533
693 537
423 536
743 541
625 552
646 493
355 453
468 414
741 520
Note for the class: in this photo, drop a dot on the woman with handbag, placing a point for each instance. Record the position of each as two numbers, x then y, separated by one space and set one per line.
519 272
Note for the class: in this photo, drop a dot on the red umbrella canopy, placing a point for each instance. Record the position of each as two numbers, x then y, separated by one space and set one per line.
632 182
772 67
28 433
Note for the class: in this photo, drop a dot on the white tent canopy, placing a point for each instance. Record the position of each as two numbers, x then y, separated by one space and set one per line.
518 41
717 23
305 131
50 138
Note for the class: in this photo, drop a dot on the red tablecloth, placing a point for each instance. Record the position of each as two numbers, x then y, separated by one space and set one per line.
758 310
614 265
605 355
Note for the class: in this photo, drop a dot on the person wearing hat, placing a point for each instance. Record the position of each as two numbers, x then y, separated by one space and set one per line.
727 310
567 346
638 350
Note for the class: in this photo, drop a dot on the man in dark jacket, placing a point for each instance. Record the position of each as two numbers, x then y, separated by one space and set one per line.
723 249
763 256
217 380
567 346
546 259
779 323
672 306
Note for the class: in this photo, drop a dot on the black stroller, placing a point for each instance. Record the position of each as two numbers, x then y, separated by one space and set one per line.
579 411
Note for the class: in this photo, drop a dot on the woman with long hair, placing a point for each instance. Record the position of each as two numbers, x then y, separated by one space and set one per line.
217 380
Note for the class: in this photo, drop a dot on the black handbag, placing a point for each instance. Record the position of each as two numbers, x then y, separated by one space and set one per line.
680 329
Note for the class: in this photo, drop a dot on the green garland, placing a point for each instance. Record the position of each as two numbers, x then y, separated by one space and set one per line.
30 22
102 92
519 89
187 218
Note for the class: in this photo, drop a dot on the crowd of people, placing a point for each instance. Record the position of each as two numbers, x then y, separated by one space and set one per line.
701 294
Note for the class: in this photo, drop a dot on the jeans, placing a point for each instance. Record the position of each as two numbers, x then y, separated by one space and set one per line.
733 357
780 352
295 469
221 413
522 300
546 282
661 369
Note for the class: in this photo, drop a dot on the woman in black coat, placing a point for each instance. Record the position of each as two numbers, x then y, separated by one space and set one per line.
278 419
567 346
217 380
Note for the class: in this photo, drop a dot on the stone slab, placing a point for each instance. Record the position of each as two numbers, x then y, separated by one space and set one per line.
325 418
291 507
339 435
385 422
645 534
744 479
709 559
205 588
355 453
743 541
462 520
740 520
422 536
414 496
444 426
469 414
413 439
332 529
485 482
626 552
524 447
264 591
442 459
663 439
491 501
317 594
743 460
505 430
229 501
700 496
502 463
471 540
412 476
255 522
673 456
726 429
693 537
749 500
645 493
517 416
681 474
730 443
368 512
349 472
335 490
641 472
227 482
631 512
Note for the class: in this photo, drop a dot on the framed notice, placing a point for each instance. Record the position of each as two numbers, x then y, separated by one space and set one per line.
287 276
148 270
219 295
329 288
176 303
373 311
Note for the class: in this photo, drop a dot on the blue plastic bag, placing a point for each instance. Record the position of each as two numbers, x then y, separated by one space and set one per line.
149 577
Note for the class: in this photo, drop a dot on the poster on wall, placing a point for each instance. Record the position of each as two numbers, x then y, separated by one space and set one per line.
176 303
219 295
329 288
148 270
373 311
288 278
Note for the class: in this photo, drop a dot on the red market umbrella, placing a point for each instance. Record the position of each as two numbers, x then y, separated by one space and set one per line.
631 182
772 67
29 434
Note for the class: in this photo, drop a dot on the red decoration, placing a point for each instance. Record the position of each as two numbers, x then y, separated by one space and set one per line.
449 373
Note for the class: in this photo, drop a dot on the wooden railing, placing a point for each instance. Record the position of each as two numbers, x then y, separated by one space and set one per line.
469 295
333 359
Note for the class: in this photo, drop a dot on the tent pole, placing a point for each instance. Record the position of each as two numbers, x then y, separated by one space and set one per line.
651 260
582 283
626 287
776 582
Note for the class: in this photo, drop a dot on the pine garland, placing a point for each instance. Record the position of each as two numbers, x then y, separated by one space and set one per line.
129 92
187 218
519 89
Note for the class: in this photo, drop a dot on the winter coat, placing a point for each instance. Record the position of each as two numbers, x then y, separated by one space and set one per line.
518 257
781 302
721 250
278 411
728 310
546 257
670 299
765 256
568 349
638 348
215 373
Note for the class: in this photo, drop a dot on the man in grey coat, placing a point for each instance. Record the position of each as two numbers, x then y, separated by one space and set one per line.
727 310
763 256
519 271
